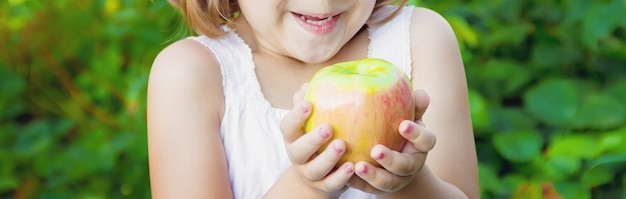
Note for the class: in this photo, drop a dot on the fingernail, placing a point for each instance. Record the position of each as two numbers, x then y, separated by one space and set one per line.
337 149
380 156
348 169
324 133
408 129
363 170
304 108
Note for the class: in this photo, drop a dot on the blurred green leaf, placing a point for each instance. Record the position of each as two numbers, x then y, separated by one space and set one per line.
464 32
573 190
596 176
599 111
617 89
575 11
554 56
575 146
613 142
518 146
507 76
529 190
512 34
489 180
478 108
12 86
600 20
8 176
608 159
510 119
559 167
34 139
511 182
553 101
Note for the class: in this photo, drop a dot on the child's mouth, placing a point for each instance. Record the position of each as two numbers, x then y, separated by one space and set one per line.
321 24
315 20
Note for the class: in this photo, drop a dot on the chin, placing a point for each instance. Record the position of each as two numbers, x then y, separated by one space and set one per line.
314 58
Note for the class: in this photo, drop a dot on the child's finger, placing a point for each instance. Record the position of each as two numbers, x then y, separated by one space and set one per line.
298 96
336 181
301 150
378 178
292 125
401 164
422 138
321 165
422 100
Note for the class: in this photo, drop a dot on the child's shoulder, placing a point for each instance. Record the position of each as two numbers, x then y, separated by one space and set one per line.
427 24
185 54
426 19
186 64
186 47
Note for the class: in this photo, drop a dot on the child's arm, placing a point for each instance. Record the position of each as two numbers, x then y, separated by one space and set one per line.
438 69
185 105
450 170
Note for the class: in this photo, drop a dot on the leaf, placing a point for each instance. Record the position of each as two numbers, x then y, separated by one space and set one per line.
489 180
414 2
575 11
575 146
613 142
12 86
599 111
508 35
510 119
8 175
596 177
478 109
507 76
134 93
553 101
600 20
552 55
510 182
111 6
608 159
33 139
518 146
463 30
558 167
617 89
572 190
528 190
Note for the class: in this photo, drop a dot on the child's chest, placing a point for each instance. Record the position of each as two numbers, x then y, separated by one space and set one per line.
279 78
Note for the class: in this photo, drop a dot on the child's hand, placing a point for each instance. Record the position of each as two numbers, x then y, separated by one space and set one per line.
315 170
400 168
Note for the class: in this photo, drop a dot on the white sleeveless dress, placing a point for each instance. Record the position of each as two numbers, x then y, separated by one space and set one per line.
250 129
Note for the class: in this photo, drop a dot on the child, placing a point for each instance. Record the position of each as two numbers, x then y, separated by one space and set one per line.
225 109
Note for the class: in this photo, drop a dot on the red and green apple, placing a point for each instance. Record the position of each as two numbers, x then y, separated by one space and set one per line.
364 101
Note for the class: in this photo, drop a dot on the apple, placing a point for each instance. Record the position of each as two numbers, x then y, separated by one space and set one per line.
364 101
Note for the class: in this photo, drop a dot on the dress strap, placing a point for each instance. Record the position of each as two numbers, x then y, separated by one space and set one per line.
391 41
236 64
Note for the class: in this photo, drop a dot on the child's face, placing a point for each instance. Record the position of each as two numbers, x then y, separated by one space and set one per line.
312 31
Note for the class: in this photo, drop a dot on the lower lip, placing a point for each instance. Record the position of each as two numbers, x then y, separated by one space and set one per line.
321 29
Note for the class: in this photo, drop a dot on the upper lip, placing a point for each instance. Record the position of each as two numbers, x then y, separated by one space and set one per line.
317 15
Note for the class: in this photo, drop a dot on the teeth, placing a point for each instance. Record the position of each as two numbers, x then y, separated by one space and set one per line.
319 22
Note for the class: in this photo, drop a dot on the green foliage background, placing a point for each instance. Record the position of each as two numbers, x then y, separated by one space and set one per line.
547 91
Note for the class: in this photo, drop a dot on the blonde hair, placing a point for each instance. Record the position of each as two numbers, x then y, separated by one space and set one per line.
208 16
